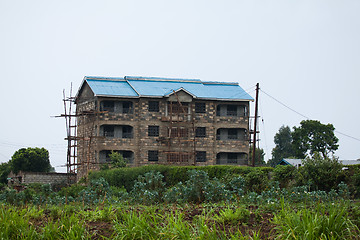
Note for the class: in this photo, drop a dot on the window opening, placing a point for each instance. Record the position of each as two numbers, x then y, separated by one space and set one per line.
153 131
231 110
201 156
200 132
153 106
109 131
153 155
232 158
178 132
200 107
178 157
175 108
108 106
127 107
232 133
127 132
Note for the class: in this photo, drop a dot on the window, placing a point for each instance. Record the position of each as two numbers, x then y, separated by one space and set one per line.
104 155
176 108
126 107
127 132
109 131
178 132
200 132
153 131
117 106
200 107
232 158
107 106
231 110
232 133
153 106
178 157
200 156
153 155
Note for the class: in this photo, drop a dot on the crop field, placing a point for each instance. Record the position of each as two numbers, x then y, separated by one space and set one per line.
154 206
336 220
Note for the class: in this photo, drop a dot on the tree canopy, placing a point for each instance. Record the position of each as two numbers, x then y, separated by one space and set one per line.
313 136
283 145
30 160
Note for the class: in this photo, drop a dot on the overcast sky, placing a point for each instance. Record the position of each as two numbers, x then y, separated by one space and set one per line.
306 54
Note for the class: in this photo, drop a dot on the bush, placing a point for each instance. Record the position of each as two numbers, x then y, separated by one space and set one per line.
256 181
284 175
321 173
355 179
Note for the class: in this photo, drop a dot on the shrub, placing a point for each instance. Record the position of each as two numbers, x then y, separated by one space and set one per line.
355 180
284 175
321 173
256 181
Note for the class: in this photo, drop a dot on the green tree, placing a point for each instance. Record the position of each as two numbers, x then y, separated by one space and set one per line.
313 136
117 160
259 156
4 172
30 160
283 146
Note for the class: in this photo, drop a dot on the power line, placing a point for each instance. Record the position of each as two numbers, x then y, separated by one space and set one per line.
286 106
346 135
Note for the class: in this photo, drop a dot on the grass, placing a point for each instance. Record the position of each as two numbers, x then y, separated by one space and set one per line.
187 221
325 221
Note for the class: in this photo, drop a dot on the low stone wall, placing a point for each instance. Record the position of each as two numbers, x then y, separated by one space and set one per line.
44 178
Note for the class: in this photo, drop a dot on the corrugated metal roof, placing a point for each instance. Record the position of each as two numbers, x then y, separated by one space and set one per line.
159 87
111 88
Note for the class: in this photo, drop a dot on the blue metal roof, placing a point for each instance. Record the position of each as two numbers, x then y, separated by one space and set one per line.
159 87
112 88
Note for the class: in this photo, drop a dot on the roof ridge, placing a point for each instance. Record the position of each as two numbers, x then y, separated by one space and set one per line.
139 78
104 78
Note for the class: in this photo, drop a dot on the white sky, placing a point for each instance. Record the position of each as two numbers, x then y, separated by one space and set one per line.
304 53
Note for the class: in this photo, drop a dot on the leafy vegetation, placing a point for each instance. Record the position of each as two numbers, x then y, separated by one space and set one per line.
211 203
321 173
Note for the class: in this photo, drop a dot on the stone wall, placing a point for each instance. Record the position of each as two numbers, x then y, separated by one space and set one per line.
40 177
141 118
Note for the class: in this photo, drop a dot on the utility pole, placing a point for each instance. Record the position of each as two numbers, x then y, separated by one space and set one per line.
255 123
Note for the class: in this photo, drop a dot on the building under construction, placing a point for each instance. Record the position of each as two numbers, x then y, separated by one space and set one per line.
157 121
